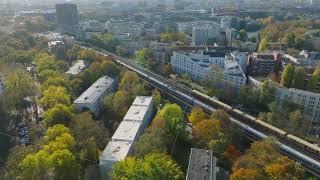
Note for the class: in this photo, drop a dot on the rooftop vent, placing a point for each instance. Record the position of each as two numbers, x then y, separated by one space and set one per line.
117 149
86 98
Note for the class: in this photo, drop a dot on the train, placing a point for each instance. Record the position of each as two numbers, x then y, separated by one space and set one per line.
254 122
196 98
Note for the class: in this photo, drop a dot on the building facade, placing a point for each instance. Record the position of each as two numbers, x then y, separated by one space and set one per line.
308 101
215 67
135 121
200 35
92 98
67 16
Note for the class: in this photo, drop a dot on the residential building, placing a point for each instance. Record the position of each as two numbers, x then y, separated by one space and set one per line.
76 67
163 26
201 34
228 22
92 98
133 46
160 51
203 166
308 101
216 67
135 121
262 64
58 48
67 16
241 58
186 27
231 34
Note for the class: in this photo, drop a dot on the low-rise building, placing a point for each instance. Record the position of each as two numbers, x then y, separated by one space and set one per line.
203 166
129 130
76 67
133 46
114 152
92 98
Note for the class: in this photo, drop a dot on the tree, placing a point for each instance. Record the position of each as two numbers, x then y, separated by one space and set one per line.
44 62
152 166
156 96
59 114
19 88
243 35
85 127
205 131
56 81
266 93
158 145
263 46
143 57
54 160
263 161
173 116
53 96
288 76
312 84
88 55
289 39
120 51
196 115
298 81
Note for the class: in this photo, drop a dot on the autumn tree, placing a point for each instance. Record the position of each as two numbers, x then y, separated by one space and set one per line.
263 161
54 160
196 115
263 46
152 166
53 96
59 114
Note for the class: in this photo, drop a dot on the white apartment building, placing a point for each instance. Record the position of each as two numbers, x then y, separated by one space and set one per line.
135 121
201 34
92 98
187 27
216 67
231 34
308 101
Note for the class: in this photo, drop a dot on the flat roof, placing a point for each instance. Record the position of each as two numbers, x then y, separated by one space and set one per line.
76 68
136 113
127 131
202 165
95 90
115 151
142 101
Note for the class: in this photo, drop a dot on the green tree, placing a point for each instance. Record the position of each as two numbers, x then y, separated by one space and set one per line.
173 116
56 81
143 57
19 86
312 84
59 114
298 81
288 76
152 166
158 145
243 35
266 93
206 131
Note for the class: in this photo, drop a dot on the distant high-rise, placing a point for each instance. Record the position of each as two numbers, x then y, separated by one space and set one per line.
67 14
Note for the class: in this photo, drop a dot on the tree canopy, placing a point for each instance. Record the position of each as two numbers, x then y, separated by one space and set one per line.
152 166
